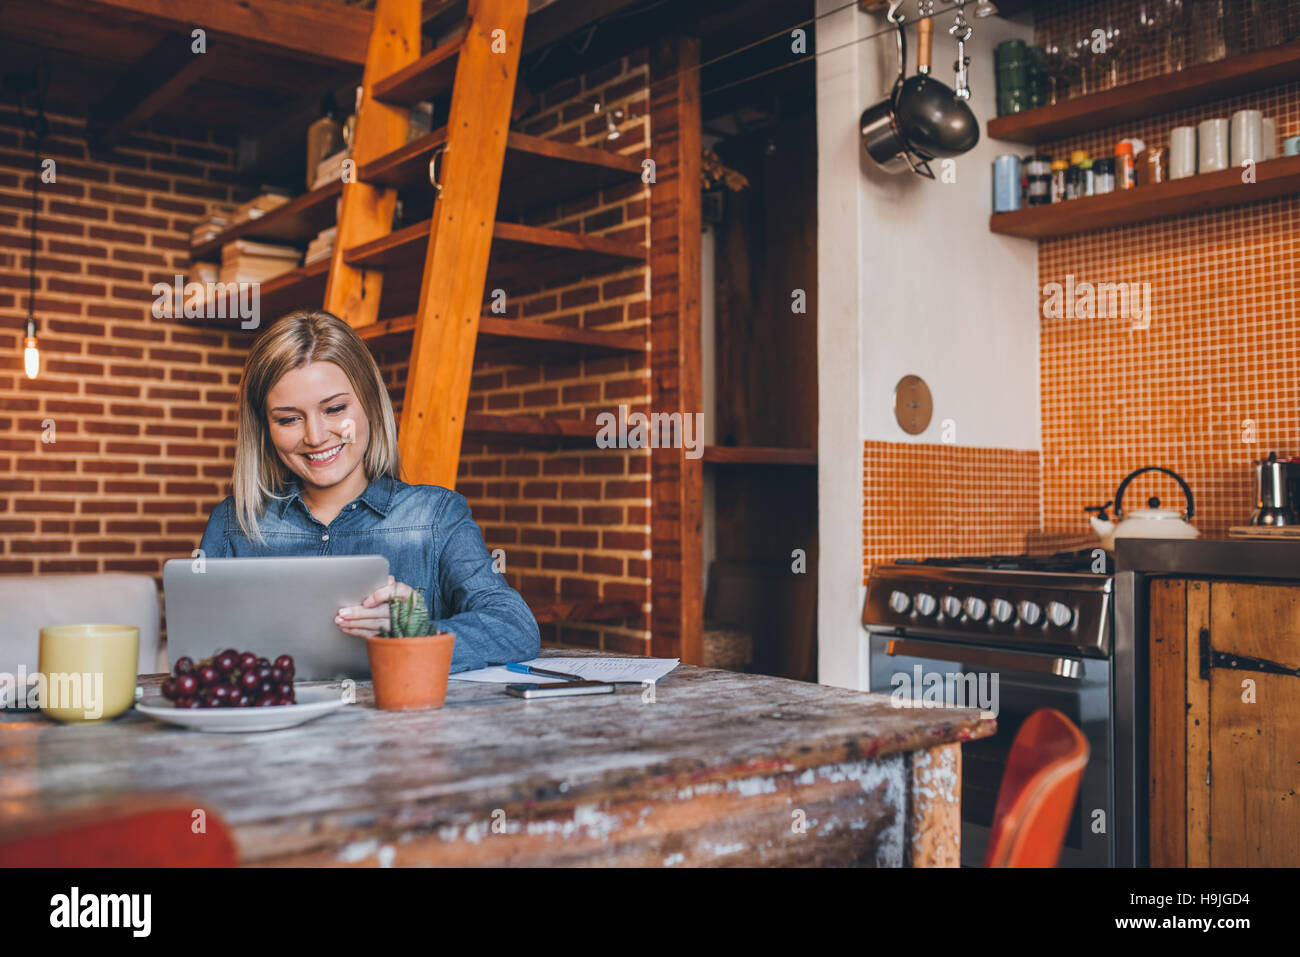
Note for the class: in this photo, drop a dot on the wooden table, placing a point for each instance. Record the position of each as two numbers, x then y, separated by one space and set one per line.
720 768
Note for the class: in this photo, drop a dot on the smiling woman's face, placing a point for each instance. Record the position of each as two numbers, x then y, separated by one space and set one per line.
317 424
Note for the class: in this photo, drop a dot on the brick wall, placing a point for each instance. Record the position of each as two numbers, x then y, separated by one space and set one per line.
140 410
573 523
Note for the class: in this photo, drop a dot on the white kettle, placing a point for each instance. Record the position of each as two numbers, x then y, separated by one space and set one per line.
1150 522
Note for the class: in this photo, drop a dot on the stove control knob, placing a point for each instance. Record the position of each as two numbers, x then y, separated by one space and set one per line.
925 604
976 608
1062 616
951 605
899 602
1030 613
1003 610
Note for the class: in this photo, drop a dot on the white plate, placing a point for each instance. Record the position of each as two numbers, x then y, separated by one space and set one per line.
312 704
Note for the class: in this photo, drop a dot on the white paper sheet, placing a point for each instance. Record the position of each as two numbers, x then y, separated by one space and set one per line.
590 669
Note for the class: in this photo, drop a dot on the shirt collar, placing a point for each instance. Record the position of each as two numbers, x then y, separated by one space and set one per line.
378 495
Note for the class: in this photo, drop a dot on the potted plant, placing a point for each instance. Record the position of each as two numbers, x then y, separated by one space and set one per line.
410 666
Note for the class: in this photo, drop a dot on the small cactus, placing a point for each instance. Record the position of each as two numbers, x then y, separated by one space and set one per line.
407 617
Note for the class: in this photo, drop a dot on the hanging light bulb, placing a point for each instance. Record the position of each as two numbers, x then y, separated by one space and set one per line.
612 132
31 354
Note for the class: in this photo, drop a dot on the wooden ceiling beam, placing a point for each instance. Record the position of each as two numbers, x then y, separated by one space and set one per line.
152 84
307 29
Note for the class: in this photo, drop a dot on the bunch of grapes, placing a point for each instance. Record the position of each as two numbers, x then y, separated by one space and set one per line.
231 679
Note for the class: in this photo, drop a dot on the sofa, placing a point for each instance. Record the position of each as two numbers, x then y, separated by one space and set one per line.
28 603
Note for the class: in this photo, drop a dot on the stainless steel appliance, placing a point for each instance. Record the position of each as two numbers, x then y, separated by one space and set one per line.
1044 629
1277 491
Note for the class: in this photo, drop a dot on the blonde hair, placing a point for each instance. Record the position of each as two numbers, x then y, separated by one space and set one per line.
293 341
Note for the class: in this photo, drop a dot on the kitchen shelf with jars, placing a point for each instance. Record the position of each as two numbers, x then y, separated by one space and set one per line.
1221 162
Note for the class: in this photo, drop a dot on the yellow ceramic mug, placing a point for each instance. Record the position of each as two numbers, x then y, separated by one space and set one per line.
88 671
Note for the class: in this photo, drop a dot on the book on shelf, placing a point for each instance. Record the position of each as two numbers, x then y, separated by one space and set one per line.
331 168
321 246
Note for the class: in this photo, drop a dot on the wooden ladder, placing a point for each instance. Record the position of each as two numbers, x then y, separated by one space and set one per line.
484 66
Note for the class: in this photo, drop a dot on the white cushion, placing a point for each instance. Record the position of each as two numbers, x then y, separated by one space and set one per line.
29 603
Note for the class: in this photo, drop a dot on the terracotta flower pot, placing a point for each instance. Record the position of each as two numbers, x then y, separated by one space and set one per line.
410 674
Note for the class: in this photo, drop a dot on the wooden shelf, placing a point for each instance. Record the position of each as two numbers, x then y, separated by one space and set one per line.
758 455
1273 178
537 171
302 288
297 221
550 609
523 257
1193 86
424 79
512 340
530 430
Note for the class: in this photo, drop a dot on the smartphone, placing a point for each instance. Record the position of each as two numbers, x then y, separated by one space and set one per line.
560 689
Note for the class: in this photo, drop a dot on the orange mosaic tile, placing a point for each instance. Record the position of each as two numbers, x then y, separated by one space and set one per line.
926 500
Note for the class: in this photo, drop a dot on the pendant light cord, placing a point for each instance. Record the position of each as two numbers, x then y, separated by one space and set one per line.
36 126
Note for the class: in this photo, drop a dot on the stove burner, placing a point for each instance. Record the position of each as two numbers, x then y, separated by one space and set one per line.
1080 562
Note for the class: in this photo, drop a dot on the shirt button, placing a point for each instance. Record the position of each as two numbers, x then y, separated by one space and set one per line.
325 538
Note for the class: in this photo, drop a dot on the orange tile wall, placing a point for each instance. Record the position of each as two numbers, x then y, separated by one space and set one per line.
1214 382
574 524
922 500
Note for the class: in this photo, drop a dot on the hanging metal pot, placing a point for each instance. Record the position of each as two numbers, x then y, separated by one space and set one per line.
935 120
882 137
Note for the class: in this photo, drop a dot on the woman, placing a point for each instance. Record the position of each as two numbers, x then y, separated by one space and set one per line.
317 473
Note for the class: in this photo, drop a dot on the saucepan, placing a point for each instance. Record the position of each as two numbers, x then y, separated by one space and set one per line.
921 119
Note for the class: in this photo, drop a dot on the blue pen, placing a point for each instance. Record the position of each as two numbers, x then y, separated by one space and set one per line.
530 670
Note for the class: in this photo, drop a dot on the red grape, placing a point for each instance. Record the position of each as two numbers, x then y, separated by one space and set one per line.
187 685
184 666
226 662
277 674
282 701
248 681
284 663
247 660
221 694
186 703
169 689
285 690
208 676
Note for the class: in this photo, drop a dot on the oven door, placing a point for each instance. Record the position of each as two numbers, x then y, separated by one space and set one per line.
1012 684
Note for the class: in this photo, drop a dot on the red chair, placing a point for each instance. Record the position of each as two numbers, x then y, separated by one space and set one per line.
137 833
1039 787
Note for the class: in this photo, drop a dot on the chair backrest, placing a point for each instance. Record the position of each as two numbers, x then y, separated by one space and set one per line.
1038 791
143 832
29 603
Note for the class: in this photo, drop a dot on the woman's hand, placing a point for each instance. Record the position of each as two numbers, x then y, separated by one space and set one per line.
365 620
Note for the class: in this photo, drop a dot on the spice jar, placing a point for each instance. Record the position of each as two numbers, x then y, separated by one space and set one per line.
1152 166
1058 180
1103 175
1125 170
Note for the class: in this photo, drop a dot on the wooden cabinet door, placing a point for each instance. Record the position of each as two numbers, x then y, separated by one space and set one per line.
1250 659
1224 724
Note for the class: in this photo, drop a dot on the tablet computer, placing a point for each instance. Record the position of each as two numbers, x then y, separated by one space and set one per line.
271 606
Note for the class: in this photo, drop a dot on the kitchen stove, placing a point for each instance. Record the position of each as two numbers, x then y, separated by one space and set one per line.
1040 631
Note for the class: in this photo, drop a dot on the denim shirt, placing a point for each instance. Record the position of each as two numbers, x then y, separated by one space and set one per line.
431 543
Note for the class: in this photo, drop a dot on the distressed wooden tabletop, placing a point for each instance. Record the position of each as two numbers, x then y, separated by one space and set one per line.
349 782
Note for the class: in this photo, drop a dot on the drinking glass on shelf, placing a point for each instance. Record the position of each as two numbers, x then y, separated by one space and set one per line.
1056 66
1176 16
1207 20
1147 38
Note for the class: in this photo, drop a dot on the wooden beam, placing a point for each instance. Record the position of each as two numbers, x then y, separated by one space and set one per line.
676 482
308 29
460 240
150 85
367 211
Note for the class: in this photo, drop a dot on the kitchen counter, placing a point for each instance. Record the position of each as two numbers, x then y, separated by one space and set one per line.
1210 557
716 768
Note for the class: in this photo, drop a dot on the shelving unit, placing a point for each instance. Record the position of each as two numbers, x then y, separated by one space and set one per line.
755 455
523 257
1161 94
426 78
296 221
1195 194
537 171
517 341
